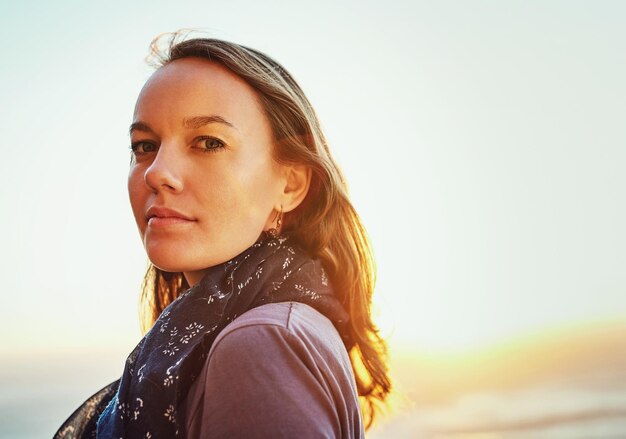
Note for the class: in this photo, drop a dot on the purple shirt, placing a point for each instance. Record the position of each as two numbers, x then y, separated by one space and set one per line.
277 371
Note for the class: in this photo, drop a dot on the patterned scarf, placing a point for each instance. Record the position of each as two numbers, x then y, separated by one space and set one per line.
161 369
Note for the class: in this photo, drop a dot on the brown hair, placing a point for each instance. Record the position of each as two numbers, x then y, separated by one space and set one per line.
325 223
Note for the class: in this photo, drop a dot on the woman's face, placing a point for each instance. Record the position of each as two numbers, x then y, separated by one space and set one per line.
202 184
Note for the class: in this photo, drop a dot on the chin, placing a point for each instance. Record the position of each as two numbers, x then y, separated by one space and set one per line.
169 259
180 256
166 265
183 260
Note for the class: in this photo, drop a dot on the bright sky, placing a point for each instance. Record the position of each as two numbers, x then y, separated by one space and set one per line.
483 141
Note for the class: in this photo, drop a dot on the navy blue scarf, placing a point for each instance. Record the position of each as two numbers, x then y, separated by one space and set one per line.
159 372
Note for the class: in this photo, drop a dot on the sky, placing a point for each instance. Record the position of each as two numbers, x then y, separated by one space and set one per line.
483 142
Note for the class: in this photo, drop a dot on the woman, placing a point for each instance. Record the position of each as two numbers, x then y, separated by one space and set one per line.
259 291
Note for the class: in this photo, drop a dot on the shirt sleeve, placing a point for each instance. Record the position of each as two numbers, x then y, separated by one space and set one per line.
263 381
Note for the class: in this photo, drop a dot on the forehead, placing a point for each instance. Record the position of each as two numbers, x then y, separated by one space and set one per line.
192 86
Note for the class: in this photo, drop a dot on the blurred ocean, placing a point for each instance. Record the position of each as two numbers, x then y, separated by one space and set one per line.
548 413
35 407
39 392
567 384
555 386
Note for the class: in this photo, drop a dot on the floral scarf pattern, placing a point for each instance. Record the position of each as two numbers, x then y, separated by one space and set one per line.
160 370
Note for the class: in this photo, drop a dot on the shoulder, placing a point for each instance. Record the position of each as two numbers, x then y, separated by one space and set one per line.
290 342
284 315
279 369
285 323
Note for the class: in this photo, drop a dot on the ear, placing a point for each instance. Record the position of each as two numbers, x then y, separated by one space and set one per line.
297 179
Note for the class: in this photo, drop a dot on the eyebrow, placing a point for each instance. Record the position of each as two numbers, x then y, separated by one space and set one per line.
140 126
200 121
188 122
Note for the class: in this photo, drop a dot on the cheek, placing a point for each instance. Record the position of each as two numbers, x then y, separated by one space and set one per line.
239 199
223 200
259 190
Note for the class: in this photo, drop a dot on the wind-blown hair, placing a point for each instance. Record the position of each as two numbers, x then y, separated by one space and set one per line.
325 223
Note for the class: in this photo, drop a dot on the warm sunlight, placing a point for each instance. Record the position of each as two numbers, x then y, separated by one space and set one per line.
567 375
483 145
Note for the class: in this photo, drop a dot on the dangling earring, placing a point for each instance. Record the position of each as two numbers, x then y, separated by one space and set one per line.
274 231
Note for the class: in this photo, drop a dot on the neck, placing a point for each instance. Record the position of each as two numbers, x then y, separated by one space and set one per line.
193 277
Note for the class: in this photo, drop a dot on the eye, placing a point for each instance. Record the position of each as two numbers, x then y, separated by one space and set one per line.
209 144
142 147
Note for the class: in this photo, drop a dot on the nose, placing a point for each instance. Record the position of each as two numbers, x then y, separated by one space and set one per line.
163 173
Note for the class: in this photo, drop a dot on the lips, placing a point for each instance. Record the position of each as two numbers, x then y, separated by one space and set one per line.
159 216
